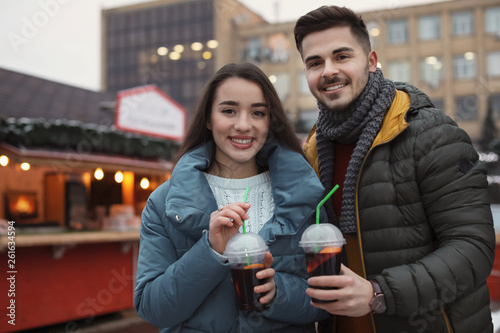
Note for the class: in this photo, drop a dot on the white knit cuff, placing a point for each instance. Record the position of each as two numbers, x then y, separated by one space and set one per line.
222 258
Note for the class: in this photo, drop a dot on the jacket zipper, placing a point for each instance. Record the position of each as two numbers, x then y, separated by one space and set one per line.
358 231
447 322
357 214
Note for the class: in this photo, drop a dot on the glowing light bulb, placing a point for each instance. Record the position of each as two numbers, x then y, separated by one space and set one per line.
118 177
25 166
98 174
207 55
174 55
469 55
179 48
144 183
162 51
375 32
4 160
196 46
212 44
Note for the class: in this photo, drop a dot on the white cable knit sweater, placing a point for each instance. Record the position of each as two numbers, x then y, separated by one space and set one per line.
260 196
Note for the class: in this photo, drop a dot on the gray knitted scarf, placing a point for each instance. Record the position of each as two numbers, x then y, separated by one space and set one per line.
359 124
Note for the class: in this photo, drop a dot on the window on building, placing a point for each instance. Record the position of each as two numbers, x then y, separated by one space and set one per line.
438 104
494 104
277 48
252 50
466 108
432 71
493 63
429 27
462 23
281 83
303 86
307 120
399 71
465 66
493 20
398 32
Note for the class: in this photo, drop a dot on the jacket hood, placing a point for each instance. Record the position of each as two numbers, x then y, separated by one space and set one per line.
418 99
190 201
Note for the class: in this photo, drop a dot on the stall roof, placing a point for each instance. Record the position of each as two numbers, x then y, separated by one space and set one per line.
40 115
62 135
69 161
29 96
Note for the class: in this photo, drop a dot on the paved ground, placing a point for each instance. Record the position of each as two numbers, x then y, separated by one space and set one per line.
121 322
137 326
127 325
129 322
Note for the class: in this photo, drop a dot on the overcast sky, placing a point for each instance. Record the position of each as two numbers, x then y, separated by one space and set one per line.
59 40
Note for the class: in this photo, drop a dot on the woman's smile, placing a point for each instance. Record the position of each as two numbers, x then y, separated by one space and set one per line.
239 123
241 143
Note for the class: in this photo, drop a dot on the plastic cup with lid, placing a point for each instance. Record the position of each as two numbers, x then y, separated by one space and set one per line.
246 253
322 244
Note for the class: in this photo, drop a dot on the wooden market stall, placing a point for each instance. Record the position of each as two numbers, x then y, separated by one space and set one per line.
69 236
63 277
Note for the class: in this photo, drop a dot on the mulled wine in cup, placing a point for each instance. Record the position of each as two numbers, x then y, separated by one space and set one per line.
322 244
246 253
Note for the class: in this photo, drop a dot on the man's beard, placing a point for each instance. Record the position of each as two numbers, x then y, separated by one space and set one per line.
344 107
337 108
340 108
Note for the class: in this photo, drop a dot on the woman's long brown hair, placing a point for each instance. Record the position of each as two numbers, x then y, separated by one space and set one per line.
198 133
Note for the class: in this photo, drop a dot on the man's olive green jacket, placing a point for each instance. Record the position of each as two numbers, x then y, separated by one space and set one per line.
424 221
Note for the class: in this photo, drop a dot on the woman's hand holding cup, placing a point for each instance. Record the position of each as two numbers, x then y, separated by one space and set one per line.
268 289
224 224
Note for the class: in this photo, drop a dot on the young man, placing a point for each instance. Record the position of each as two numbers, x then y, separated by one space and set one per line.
413 204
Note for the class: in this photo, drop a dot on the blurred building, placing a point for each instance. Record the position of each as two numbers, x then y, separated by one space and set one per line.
450 50
176 45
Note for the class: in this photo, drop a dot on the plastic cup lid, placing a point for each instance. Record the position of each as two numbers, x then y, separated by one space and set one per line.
322 234
242 246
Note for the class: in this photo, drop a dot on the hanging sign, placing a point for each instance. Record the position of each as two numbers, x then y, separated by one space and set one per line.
148 110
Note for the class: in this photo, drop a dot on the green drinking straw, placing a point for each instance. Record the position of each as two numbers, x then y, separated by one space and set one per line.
321 204
244 229
245 200
323 201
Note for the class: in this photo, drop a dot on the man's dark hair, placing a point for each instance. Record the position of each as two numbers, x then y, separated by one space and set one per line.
326 17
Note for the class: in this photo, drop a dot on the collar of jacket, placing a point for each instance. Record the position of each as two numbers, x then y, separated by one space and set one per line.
393 124
296 191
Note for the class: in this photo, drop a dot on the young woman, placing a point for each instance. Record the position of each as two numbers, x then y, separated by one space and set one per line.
239 137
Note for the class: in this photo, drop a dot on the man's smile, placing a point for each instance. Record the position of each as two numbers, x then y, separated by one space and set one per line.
335 87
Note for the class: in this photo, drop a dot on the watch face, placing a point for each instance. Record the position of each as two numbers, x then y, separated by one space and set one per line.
378 305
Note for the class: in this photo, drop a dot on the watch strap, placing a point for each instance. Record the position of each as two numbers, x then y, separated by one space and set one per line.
377 304
376 288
